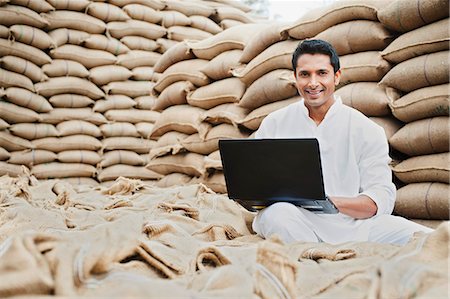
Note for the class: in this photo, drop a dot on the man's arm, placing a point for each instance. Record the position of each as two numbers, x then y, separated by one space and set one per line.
359 207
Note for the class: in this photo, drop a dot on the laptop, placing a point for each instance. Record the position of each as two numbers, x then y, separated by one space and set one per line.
261 172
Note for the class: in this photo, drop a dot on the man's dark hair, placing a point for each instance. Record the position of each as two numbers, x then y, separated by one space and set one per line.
316 46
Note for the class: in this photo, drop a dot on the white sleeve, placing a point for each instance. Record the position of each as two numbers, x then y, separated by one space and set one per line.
266 129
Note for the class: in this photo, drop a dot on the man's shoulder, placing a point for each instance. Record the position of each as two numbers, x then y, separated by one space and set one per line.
285 111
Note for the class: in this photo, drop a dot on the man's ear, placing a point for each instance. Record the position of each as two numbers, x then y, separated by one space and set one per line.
337 77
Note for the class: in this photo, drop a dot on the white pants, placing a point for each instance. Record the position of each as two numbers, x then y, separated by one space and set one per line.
292 224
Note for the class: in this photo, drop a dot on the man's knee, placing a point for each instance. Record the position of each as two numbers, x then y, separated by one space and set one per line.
274 216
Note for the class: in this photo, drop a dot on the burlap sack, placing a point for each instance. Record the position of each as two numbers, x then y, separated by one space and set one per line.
63 36
187 163
363 67
144 73
426 70
114 101
390 124
423 201
165 44
421 103
79 5
132 115
72 142
74 127
404 15
426 168
135 27
24 51
422 137
31 157
174 18
357 36
23 67
62 170
191 8
239 5
4 154
229 113
80 181
27 99
14 14
37 5
109 44
169 143
427 39
434 224
143 13
32 131
4 32
79 156
121 157
144 129
213 162
129 88
139 43
105 74
8 79
216 182
145 102
180 33
58 115
137 145
106 12
63 67
73 20
137 58
13 143
220 66
232 13
70 101
155 4
119 129
205 24
274 86
228 90
11 169
3 124
32 36
277 56
228 23
16 114
173 179
173 55
128 171
88 57
366 97
59 85
174 94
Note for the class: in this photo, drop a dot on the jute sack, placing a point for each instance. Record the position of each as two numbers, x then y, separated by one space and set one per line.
169 143
427 39
239 5
4 154
137 145
8 79
155 4
144 129
23 67
106 12
421 103
228 90
32 36
105 74
37 5
72 142
139 43
24 51
14 14
181 118
216 182
144 73
366 97
423 201
318 20
232 38
132 115
187 163
59 85
74 127
31 157
79 5
62 170
63 36
232 13
135 27
173 179
187 70
220 66
145 102
191 8
109 44
13 143
174 18
64 67
277 56
426 70
274 86
179 33
229 113
79 156
253 120
73 20
3 124
137 58
421 137
357 36
205 24
80 181
121 157
16 114
114 101
175 54
58 115
427 168
143 13
228 23
88 57
11 169
404 15
70 101
129 88
390 124
119 129
32 131
213 162
363 67
128 171
165 44
27 99
4 32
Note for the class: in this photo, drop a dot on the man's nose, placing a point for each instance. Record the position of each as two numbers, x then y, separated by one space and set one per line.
313 81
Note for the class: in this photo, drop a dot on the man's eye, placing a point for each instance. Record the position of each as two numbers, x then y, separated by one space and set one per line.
304 74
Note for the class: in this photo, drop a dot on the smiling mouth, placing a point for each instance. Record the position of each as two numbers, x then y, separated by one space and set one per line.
313 92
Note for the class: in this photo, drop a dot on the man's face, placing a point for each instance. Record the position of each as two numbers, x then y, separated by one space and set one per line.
315 79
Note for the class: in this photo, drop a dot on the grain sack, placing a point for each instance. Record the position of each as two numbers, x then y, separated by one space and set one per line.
357 36
426 70
179 33
145 102
229 113
143 13
318 20
8 79
144 73
253 120
239 5
23 67
173 179
169 143
36 5
62 170
144 129
138 145
205 24
366 97
226 24
232 13
216 182
421 137
121 157
13 143
14 14
16 114
165 44
274 86
80 181
58 115
63 67
27 99
73 20
63 36
88 57
363 67
181 118
4 154
277 56
105 74
134 27
427 168
139 43
32 131
132 115
72 142
24 51
32 36
119 129
3 124
109 44
188 70
220 66
79 156
191 8
213 162
11 169
187 163
116 101
74 127
155 4
177 53
228 90
106 12
59 85
404 15
424 40
390 124
70 101
31 157
137 58
423 201
421 103
4 32
174 18
78 5
128 171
